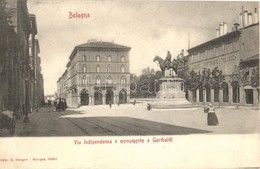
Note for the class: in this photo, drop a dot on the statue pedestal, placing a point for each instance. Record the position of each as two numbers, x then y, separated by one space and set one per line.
171 95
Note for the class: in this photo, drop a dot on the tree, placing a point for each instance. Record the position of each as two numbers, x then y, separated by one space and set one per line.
216 80
238 76
192 80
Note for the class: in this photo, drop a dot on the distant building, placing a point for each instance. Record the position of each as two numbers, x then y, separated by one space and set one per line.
49 99
240 47
97 73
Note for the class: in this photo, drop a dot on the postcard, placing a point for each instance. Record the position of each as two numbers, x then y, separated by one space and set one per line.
129 84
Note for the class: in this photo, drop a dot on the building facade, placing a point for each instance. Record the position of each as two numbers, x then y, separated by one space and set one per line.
236 54
97 73
18 53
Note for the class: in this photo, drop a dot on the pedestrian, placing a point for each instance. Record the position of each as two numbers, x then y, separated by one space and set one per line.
134 102
118 103
149 107
110 105
212 118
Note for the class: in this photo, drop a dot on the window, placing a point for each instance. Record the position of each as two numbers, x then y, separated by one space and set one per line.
98 81
109 80
84 68
108 68
123 81
98 58
109 58
122 59
84 80
98 68
123 68
84 58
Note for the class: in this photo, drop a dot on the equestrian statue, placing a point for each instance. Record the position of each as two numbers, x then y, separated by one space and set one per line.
167 63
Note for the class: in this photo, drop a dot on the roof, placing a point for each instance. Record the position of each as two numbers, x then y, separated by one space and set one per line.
221 38
100 44
218 39
252 58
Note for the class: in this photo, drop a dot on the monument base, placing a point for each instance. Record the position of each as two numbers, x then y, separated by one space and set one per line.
171 95
170 104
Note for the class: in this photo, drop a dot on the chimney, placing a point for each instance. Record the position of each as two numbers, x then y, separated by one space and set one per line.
241 20
218 33
236 26
250 18
245 18
221 28
255 16
224 28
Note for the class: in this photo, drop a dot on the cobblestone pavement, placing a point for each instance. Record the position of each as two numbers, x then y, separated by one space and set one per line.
131 119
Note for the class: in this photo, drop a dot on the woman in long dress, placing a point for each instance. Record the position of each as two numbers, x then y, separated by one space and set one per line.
212 117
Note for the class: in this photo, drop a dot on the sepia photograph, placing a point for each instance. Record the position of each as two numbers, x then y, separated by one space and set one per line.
88 84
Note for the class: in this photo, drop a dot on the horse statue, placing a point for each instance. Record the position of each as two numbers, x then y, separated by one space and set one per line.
167 63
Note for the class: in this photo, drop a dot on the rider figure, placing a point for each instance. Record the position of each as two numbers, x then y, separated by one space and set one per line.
167 61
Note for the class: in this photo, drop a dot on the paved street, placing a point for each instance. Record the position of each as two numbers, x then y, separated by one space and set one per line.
135 120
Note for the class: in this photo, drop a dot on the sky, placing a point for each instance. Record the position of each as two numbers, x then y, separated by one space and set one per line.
150 28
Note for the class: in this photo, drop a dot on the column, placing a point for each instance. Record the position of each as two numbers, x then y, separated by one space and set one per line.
204 96
115 98
255 95
91 99
190 96
212 95
242 95
103 97
220 95
128 98
197 96
230 100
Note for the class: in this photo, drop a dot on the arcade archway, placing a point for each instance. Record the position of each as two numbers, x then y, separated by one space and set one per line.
122 96
109 97
208 94
97 98
225 92
201 94
236 92
84 97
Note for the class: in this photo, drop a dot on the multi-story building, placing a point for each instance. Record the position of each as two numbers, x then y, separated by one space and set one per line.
18 54
230 51
97 73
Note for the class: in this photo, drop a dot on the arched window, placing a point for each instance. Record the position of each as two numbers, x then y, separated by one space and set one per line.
122 59
84 68
98 80
84 80
109 80
98 58
84 58
123 68
98 68
122 81
108 68
109 58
